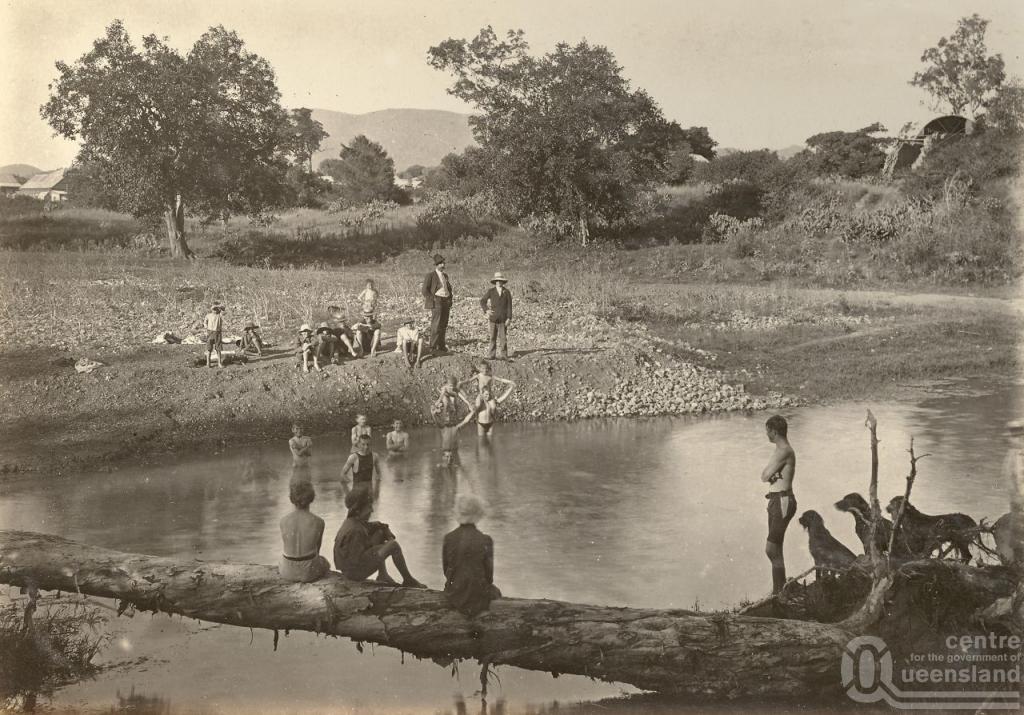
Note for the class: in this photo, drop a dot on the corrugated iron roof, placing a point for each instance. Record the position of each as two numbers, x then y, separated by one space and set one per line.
46 180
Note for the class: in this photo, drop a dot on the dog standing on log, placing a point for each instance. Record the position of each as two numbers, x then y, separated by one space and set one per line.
924 533
828 552
856 505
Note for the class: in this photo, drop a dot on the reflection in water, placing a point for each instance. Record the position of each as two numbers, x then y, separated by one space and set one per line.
647 513
138 704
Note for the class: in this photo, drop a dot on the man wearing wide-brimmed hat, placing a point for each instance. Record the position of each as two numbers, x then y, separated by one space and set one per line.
437 298
497 305
214 333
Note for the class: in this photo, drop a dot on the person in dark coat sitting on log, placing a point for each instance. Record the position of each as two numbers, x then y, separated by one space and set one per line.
362 547
302 532
467 558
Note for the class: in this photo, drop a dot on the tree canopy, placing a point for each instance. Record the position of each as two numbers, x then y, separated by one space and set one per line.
960 71
850 154
561 134
305 135
160 131
364 172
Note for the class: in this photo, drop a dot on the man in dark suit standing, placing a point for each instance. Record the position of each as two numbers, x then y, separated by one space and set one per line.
497 306
437 298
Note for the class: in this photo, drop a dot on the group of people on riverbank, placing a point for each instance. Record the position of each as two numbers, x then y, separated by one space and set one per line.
334 338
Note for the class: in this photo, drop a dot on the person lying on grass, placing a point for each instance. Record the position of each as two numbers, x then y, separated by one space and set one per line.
304 346
363 547
367 332
302 532
410 343
251 343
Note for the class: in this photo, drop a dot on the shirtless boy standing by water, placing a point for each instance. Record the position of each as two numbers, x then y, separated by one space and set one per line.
301 446
779 475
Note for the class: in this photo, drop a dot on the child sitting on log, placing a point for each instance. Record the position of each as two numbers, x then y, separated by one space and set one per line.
362 547
467 559
302 533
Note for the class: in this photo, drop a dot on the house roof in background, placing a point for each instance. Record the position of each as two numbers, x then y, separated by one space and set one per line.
46 180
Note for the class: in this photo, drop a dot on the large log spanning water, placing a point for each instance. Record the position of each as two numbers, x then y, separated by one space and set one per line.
673 651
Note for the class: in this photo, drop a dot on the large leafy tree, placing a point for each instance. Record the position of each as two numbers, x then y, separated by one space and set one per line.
561 134
960 71
305 136
363 172
161 132
851 154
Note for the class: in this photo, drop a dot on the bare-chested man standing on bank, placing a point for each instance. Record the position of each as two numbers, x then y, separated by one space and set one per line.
781 502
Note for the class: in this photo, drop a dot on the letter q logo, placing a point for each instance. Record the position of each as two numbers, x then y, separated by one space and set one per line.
867 669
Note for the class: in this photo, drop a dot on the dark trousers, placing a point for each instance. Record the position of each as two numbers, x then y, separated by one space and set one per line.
439 323
329 348
499 337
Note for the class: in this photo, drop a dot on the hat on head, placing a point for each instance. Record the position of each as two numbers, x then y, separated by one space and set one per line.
249 325
499 276
323 327
216 306
438 258
357 500
304 328
408 321
469 509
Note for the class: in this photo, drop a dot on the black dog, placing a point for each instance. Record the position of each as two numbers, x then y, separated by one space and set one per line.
828 553
853 503
924 533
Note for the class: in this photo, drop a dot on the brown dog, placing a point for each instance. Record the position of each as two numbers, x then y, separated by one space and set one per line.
924 533
828 553
853 503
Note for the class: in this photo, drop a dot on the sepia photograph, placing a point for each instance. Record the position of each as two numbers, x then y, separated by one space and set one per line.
511 358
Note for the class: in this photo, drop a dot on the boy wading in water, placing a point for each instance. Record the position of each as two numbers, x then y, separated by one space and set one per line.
779 474
362 466
485 408
446 411
397 440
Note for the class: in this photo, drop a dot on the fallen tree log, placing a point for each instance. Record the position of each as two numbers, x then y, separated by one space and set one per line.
671 651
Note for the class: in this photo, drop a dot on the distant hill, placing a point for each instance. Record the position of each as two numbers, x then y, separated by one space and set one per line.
410 136
23 170
790 151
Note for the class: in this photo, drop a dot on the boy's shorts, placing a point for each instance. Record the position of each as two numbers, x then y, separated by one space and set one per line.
213 341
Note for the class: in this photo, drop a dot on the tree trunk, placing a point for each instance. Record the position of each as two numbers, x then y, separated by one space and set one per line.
716 656
174 217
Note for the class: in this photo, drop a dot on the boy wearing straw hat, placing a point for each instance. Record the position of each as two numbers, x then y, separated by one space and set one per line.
467 558
251 343
497 306
214 333
304 345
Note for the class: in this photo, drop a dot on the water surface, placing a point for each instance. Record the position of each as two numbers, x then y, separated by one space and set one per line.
665 512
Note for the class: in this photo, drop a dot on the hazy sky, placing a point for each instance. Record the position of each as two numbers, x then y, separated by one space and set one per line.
757 73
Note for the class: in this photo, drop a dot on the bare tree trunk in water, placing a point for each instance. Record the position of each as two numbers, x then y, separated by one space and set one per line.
174 217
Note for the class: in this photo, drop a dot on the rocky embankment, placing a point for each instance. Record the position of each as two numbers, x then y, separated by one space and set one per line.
147 400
